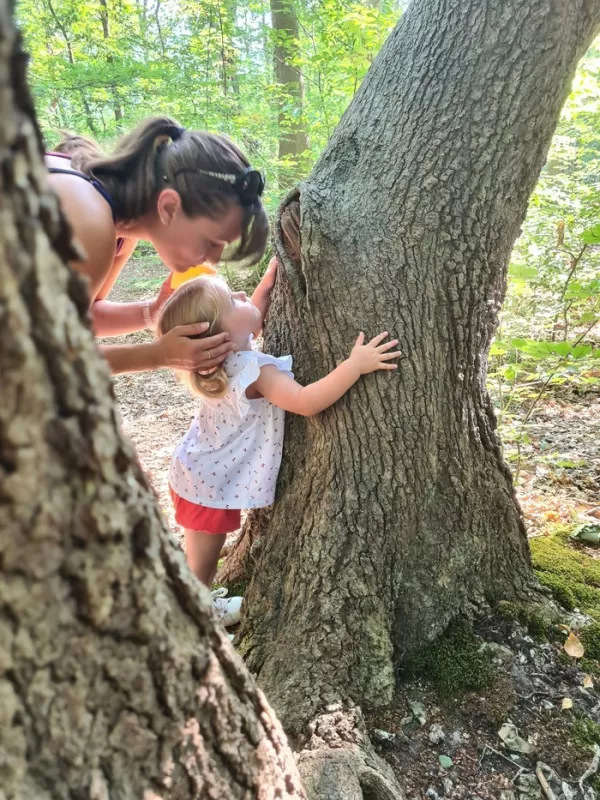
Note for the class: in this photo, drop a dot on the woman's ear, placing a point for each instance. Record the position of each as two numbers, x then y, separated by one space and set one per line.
168 205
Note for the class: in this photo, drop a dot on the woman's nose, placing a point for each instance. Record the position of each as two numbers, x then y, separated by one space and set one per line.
214 256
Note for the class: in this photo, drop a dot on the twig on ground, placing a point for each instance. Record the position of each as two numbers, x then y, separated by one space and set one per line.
519 773
592 769
539 692
487 747
543 782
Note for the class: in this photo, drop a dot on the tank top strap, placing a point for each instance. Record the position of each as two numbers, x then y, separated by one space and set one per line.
97 186
93 181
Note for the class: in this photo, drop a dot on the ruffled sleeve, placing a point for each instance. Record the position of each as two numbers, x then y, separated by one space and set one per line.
244 369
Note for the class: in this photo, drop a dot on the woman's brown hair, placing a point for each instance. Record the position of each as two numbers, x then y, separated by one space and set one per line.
205 169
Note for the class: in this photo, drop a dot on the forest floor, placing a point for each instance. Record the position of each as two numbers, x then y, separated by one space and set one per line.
447 743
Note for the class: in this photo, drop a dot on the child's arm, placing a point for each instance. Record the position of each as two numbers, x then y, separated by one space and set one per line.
284 392
262 293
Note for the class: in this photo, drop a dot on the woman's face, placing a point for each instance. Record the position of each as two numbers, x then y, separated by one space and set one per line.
183 242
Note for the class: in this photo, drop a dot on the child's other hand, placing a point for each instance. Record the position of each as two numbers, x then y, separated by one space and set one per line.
374 355
262 293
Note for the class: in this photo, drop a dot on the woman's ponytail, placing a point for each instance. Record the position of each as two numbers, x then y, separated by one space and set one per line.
130 172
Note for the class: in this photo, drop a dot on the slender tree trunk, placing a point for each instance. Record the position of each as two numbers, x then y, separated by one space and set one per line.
115 680
292 132
104 18
395 512
86 106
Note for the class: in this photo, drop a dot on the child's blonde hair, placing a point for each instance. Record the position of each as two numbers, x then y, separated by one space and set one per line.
197 300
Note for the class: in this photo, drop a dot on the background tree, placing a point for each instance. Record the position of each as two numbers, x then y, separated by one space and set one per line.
293 140
115 679
408 517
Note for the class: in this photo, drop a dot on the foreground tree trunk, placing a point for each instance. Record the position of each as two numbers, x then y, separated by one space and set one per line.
395 511
115 681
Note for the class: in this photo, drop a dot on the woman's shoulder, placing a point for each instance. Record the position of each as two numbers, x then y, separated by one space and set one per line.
90 218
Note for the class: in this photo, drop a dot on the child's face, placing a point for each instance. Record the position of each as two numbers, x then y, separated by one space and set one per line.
239 318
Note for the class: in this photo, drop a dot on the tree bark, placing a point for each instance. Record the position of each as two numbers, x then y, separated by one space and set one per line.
115 679
292 133
395 512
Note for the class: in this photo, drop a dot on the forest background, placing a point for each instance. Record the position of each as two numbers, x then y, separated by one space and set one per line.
276 77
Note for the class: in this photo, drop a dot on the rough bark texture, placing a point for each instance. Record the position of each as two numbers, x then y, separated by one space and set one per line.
115 680
395 511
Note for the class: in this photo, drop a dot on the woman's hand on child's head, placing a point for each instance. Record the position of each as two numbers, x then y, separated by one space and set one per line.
178 351
374 355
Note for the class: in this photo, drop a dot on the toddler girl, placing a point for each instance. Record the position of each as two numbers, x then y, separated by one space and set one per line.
230 456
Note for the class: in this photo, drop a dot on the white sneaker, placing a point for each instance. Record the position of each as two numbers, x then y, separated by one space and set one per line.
228 608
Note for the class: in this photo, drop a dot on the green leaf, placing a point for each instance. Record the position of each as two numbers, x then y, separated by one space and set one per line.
498 348
591 235
446 762
589 533
522 272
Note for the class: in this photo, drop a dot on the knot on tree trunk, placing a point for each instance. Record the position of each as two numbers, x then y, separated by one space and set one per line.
338 761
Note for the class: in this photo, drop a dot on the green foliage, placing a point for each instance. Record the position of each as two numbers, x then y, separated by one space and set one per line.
547 335
98 69
454 663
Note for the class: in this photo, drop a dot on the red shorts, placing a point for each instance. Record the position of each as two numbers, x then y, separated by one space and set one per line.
195 517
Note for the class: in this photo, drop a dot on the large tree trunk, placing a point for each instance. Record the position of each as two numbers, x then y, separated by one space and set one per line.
395 511
115 680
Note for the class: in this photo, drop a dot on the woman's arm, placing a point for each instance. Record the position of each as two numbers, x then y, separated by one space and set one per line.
284 392
115 319
175 350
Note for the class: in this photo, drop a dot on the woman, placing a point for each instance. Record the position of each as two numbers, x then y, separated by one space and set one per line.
191 194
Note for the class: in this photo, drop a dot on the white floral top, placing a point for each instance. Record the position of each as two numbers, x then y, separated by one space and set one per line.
231 453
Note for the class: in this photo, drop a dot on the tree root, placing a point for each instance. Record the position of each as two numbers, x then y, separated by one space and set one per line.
338 761
241 560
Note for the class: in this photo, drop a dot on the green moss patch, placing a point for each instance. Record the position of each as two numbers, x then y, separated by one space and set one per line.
571 575
453 663
536 623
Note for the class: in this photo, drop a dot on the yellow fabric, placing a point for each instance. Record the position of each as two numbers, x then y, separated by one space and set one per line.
194 272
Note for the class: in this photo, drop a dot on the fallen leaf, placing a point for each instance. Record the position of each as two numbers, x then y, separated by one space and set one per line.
573 646
588 683
446 762
589 533
567 703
